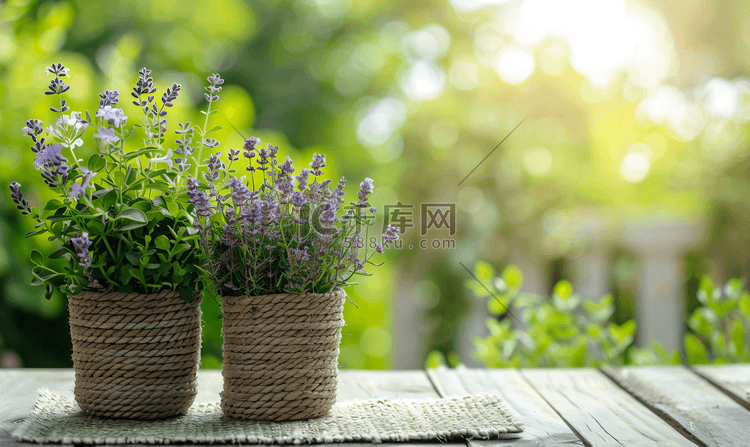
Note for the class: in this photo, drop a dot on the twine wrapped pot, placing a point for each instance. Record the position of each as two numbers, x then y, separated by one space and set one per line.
135 356
281 355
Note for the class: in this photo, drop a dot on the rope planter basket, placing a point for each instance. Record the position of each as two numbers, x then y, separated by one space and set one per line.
281 355
135 355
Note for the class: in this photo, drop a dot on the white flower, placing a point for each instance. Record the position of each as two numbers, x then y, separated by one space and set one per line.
72 121
107 136
167 158
113 114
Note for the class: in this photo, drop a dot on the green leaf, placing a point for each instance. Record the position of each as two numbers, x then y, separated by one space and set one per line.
563 289
137 274
139 152
96 163
722 307
186 293
744 305
35 233
484 272
109 199
624 332
703 321
513 277
133 257
53 204
213 129
738 339
696 352
706 290
36 257
134 215
179 248
162 242
60 253
435 359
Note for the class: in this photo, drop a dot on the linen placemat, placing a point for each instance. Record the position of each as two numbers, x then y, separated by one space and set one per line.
58 419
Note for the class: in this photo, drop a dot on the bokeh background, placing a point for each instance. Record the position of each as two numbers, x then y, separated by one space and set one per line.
633 157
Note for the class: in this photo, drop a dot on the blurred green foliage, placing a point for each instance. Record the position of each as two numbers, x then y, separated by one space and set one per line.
565 330
335 76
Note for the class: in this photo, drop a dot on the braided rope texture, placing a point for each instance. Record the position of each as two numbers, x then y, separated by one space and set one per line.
281 355
135 355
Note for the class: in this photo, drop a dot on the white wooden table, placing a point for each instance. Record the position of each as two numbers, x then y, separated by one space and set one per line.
654 406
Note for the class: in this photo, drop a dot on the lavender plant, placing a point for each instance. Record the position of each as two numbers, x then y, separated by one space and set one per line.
278 236
122 216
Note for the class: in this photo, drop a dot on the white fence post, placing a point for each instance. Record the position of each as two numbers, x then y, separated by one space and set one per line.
659 307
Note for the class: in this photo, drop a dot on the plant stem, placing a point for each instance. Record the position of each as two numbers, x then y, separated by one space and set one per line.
203 140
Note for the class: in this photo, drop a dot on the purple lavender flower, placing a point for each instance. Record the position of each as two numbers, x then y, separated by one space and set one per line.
391 234
373 210
365 188
249 146
213 89
50 156
145 86
318 161
215 166
109 98
300 255
287 167
359 265
17 196
285 186
33 128
57 70
107 136
298 199
199 198
240 192
81 246
379 248
302 178
338 193
268 211
80 188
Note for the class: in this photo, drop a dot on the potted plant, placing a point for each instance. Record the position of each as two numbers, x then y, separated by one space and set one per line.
126 258
279 255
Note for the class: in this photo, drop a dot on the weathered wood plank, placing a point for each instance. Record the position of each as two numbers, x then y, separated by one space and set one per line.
544 427
688 402
356 384
732 379
599 411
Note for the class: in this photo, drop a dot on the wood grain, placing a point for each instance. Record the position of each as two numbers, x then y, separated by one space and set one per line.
734 380
543 426
599 411
688 402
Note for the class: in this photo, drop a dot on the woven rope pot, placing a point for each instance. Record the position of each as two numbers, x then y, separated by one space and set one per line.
135 355
281 355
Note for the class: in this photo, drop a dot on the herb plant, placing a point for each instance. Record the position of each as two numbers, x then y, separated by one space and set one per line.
273 237
121 215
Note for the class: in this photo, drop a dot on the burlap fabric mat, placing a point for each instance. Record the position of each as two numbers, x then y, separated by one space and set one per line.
57 419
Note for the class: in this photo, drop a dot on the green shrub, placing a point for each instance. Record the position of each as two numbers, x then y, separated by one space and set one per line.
565 330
